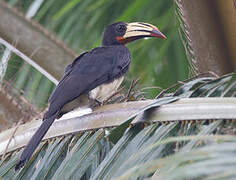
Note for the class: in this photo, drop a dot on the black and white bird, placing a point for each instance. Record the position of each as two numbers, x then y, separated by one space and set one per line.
96 74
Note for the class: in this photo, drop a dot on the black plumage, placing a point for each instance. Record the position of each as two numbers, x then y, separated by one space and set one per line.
99 66
90 75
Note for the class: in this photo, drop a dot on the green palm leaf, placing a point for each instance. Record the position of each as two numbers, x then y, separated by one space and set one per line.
164 149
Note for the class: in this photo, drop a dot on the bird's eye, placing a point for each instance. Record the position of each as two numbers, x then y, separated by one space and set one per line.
121 28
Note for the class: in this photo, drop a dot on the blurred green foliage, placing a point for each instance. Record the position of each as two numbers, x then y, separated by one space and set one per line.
80 24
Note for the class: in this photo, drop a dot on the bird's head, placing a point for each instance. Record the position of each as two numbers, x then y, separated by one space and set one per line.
122 33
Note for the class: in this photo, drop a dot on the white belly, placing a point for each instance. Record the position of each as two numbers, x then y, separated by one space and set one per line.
103 92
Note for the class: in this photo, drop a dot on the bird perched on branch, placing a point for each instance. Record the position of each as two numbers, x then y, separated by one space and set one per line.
96 74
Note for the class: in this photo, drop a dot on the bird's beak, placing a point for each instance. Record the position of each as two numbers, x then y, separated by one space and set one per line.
137 30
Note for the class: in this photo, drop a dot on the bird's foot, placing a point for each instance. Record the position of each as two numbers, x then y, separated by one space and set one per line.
96 104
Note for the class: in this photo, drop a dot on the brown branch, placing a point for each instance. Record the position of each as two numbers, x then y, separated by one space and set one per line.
14 106
11 137
34 41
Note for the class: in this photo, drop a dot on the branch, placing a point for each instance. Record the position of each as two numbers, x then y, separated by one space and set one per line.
34 41
115 114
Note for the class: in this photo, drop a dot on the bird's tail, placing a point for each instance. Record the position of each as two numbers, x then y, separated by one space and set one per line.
34 141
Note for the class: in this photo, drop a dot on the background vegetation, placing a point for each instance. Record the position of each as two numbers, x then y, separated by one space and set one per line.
80 24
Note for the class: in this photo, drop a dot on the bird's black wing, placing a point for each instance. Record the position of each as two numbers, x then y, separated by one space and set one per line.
70 66
68 69
101 65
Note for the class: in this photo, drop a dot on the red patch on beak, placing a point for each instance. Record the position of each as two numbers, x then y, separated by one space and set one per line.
122 40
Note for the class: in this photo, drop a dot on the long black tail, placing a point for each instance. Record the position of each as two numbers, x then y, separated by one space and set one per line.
34 141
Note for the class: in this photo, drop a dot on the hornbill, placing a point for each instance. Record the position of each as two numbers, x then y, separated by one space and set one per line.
96 74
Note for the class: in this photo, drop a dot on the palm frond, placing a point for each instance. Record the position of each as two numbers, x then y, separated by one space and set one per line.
161 143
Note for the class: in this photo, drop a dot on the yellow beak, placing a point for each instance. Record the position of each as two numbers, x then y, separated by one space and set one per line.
142 29
138 30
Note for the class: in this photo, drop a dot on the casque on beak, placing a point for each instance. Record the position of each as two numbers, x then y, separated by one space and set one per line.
137 30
